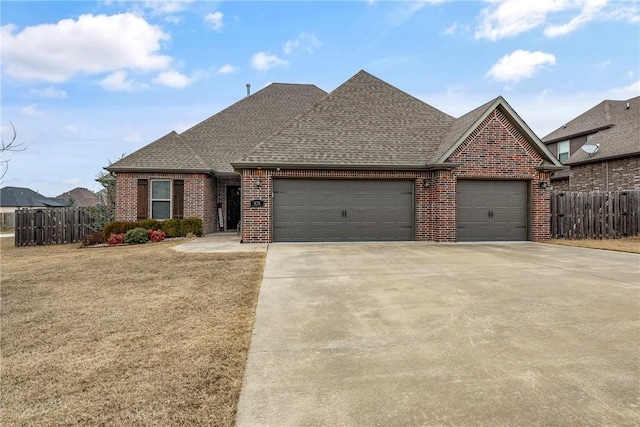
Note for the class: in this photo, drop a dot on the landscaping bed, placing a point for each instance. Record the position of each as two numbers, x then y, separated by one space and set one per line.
629 244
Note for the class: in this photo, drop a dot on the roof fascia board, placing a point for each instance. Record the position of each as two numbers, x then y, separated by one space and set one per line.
602 159
578 134
156 170
290 166
520 124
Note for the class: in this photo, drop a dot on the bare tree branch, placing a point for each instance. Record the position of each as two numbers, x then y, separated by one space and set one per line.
11 146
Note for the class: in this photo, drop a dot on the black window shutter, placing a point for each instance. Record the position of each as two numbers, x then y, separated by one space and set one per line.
143 199
178 198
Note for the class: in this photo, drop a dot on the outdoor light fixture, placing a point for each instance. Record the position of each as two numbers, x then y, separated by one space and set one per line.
258 183
425 183
543 184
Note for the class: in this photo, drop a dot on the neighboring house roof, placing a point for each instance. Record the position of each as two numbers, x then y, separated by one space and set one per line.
367 123
227 136
81 197
26 198
615 125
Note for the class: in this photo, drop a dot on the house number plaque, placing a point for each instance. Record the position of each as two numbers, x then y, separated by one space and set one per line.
257 203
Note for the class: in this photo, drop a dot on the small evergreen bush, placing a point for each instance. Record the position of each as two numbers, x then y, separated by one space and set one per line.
136 236
191 225
150 224
172 227
117 227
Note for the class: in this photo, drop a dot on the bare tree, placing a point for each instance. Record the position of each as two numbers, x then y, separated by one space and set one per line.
10 146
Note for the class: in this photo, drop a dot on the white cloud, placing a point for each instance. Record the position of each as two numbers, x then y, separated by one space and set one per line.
308 42
133 138
626 92
173 79
50 92
263 61
508 18
590 10
228 69
451 29
167 6
70 129
406 10
31 110
92 44
214 19
118 82
603 64
173 19
519 65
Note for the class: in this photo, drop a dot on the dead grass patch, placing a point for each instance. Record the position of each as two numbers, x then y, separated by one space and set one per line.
121 336
629 244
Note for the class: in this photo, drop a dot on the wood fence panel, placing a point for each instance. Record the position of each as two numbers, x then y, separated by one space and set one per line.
53 226
595 215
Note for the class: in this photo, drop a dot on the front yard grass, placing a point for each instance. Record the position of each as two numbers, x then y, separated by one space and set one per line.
629 244
137 335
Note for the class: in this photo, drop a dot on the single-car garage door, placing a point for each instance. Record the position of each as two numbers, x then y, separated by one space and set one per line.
492 210
315 210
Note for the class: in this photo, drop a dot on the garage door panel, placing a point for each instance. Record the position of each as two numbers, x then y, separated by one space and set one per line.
492 210
342 210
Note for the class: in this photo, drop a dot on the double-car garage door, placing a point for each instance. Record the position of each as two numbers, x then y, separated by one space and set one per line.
321 210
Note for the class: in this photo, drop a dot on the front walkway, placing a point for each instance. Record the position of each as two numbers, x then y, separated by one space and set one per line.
220 242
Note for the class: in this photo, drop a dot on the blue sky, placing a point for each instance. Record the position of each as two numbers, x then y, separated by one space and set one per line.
85 82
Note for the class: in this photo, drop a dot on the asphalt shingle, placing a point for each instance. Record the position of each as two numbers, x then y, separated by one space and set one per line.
364 122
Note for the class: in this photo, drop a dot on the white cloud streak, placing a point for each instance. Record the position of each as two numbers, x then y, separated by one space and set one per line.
50 92
214 20
118 82
508 18
92 44
263 61
520 65
307 42
228 69
173 79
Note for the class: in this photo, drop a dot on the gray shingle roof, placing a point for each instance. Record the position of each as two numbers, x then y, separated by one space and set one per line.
171 152
81 197
26 198
227 136
364 122
611 124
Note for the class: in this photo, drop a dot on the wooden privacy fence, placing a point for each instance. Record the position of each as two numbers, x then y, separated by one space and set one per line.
595 214
53 226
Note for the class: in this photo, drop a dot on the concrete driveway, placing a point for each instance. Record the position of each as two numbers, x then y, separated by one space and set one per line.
444 334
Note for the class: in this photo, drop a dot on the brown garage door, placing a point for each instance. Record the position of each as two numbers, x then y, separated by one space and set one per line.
317 210
492 210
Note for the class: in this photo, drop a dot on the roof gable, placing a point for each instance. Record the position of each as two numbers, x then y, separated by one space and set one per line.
212 144
80 196
363 122
168 153
466 124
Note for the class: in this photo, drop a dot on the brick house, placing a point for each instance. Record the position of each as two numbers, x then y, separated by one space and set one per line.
366 162
612 129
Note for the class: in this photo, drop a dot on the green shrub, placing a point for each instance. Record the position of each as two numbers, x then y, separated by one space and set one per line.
150 224
191 225
136 235
118 227
172 227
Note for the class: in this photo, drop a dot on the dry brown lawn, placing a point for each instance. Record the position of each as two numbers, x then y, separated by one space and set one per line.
629 244
137 335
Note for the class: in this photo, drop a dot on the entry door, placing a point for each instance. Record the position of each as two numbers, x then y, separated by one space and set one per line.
342 210
233 207
492 210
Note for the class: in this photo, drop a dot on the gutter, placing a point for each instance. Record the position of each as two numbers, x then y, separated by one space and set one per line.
333 166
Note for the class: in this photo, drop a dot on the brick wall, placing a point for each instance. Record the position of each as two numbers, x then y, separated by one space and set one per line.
495 150
199 196
609 175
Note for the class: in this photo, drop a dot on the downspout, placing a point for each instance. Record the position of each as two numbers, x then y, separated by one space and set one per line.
606 168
